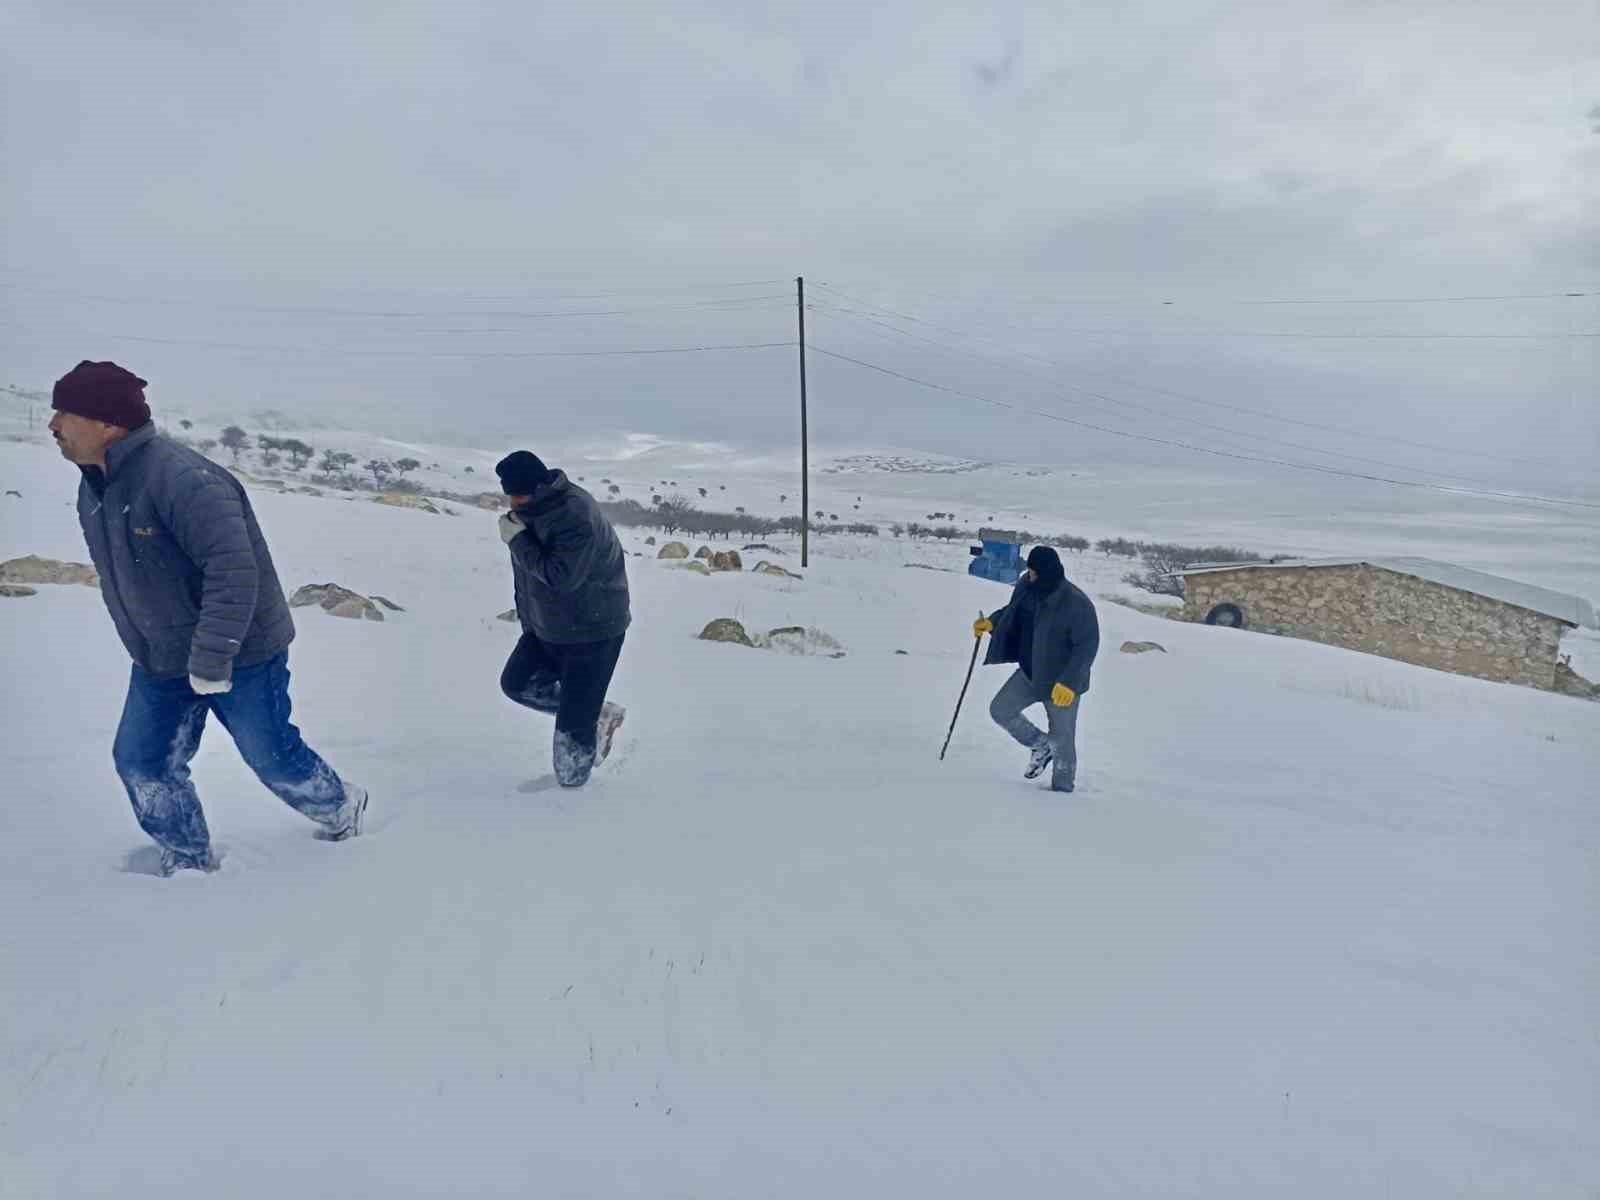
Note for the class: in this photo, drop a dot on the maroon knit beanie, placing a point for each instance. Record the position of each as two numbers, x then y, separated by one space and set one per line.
102 391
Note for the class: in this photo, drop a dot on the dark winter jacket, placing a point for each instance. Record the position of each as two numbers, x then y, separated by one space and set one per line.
570 571
1066 637
183 567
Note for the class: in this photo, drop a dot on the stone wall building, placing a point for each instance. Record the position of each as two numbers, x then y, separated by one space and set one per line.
1416 610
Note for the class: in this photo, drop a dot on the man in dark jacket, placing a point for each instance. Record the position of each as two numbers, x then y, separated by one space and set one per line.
192 592
1051 632
571 580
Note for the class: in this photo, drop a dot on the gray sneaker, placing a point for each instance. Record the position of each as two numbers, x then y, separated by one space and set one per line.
347 824
1039 760
173 861
611 718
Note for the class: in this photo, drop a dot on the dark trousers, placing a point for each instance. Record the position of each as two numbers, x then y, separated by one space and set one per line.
162 721
570 682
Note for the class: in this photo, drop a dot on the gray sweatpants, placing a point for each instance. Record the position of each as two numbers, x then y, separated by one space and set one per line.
1007 708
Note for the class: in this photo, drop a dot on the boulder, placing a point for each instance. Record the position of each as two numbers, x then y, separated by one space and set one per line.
703 552
797 639
767 568
1142 647
650 541
15 591
406 500
336 601
727 560
673 550
33 569
510 614
726 629
695 565
387 603
354 607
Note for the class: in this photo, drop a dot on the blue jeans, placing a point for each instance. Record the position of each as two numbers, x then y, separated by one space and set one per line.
162 721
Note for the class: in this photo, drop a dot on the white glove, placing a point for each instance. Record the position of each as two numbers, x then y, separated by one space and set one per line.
510 526
209 687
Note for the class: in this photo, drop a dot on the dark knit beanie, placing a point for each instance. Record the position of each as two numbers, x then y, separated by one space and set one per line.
521 473
102 391
1046 564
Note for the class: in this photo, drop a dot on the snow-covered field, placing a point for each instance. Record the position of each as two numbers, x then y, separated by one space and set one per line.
1315 924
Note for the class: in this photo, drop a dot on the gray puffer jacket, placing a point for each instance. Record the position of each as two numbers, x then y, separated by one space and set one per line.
183 566
569 569
1066 638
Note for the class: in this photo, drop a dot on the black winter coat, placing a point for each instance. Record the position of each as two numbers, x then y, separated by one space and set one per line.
1066 637
569 569
183 567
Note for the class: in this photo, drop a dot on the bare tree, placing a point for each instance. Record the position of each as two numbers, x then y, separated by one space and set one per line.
674 512
235 440
381 470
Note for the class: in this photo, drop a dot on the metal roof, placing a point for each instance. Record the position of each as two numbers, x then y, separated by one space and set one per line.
1574 610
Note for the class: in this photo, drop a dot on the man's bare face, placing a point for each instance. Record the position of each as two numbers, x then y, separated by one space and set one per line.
518 501
81 439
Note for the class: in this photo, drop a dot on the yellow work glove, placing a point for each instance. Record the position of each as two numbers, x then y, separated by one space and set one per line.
982 626
1062 696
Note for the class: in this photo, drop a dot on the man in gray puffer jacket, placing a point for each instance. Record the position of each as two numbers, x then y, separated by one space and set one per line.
571 581
193 594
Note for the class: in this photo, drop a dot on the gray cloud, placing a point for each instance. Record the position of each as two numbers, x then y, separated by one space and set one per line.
421 157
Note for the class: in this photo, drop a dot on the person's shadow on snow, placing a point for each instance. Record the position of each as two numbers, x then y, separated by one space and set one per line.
146 860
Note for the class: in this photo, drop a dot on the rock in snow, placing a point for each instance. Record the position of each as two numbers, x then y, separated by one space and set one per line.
726 629
33 569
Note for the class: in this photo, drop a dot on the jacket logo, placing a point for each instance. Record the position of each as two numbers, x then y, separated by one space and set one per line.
148 531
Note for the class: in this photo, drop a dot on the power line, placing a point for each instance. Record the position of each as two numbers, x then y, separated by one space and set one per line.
1161 413
355 353
1566 294
1122 433
1284 334
315 310
1193 399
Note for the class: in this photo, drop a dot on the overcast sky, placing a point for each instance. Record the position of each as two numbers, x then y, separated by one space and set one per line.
1079 204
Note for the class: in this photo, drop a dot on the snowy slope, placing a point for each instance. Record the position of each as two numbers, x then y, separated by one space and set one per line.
1315 923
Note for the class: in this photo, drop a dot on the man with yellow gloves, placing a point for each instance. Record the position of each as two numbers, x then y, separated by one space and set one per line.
1051 632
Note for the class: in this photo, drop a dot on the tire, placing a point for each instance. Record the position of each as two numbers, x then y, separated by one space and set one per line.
1229 616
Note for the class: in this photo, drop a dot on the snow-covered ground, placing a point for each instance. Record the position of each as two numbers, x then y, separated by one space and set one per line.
1315 924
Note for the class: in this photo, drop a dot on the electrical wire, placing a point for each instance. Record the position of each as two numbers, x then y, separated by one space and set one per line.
328 310
1161 413
1122 433
1364 435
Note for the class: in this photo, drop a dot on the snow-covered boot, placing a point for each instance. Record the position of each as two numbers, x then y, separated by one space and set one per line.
1039 760
572 761
611 718
348 820
173 861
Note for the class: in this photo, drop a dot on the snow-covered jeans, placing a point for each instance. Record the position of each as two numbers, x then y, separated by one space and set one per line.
569 682
1007 708
162 721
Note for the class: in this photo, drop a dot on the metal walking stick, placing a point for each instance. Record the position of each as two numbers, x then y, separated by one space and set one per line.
976 642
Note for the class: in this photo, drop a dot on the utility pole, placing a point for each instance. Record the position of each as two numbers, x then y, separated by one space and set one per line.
805 449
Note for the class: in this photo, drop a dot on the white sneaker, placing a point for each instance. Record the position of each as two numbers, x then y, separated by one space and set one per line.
1038 760
173 861
350 818
611 718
